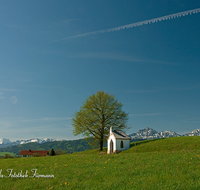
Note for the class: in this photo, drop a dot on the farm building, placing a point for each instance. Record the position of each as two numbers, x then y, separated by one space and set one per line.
29 153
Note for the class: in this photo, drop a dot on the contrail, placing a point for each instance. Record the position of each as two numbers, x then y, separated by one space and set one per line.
151 21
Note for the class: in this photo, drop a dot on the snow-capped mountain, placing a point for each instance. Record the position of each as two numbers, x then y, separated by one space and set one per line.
7 142
149 133
4 141
35 140
195 132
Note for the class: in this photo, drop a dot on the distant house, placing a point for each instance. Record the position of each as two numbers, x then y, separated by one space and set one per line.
117 141
29 153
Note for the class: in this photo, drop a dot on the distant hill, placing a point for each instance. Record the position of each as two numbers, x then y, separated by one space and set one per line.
68 146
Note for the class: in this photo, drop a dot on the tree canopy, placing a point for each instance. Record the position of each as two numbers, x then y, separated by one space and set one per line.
97 114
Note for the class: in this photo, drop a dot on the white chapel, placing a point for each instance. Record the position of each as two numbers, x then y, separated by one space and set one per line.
117 141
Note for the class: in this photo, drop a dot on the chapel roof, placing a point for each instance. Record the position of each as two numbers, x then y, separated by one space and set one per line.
120 135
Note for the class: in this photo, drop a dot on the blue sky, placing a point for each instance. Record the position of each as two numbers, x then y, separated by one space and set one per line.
48 66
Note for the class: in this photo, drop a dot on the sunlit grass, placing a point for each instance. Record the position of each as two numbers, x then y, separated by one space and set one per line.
171 163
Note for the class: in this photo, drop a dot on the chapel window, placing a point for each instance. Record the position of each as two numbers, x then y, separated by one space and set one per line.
122 144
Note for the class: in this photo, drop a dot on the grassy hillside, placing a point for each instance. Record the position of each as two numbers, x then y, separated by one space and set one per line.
166 144
171 163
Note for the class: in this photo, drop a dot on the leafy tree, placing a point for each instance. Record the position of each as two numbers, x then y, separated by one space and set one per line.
60 151
97 114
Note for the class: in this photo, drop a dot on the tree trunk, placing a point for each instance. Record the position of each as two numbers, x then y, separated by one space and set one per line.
100 144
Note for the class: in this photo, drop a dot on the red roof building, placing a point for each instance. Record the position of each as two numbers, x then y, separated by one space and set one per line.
28 153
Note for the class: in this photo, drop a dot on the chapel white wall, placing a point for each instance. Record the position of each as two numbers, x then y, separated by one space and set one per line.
117 144
126 144
114 142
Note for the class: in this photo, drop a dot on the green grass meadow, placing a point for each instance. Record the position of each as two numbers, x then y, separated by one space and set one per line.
171 163
3 153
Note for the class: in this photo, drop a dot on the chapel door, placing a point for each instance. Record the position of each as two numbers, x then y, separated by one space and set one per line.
111 146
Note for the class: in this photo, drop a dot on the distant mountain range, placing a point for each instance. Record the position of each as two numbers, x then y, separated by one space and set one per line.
142 134
6 142
149 133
